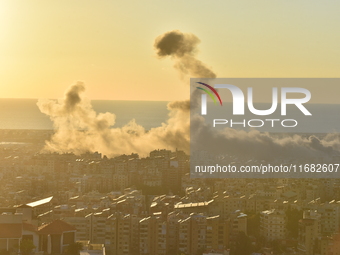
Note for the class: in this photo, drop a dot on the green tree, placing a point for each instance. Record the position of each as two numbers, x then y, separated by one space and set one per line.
200 251
278 247
26 246
292 225
243 245
253 224
74 248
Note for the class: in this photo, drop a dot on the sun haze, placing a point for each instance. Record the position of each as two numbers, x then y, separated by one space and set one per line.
47 45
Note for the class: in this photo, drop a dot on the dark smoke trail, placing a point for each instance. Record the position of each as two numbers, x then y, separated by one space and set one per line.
182 48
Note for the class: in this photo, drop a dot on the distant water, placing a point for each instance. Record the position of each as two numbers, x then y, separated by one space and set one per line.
25 114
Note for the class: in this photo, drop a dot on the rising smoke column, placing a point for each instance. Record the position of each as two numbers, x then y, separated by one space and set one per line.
182 48
79 129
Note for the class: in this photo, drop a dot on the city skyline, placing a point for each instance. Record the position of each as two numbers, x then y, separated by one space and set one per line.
94 165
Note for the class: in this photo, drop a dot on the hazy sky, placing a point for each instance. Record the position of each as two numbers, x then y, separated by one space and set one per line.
47 45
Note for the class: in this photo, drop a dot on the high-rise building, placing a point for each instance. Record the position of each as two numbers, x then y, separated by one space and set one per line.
273 224
122 234
217 237
309 231
152 236
192 234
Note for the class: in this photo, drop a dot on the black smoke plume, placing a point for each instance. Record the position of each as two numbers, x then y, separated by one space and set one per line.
182 48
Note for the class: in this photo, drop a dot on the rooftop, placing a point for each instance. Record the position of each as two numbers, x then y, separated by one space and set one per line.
190 205
40 202
56 227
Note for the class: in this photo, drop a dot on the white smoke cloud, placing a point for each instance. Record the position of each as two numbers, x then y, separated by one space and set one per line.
79 129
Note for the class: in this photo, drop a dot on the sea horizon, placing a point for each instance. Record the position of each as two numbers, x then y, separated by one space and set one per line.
23 113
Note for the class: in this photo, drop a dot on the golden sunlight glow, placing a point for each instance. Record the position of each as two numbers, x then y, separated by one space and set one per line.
47 45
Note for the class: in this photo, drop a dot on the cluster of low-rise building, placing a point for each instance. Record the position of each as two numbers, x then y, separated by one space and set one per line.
149 205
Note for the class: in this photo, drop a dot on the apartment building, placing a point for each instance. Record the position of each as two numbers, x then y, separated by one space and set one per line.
152 236
122 234
309 231
217 237
273 224
192 234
